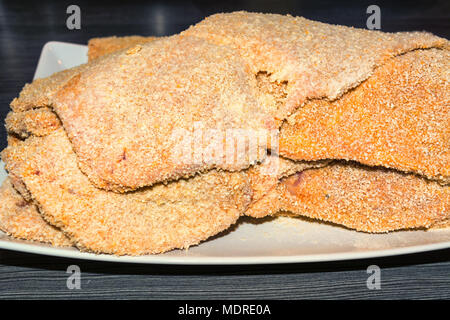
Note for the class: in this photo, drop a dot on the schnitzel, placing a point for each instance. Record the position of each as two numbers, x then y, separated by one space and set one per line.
366 199
90 149
149 220
131 102
398 118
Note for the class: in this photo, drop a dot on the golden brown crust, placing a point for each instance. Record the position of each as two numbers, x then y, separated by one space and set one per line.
366 199
398 118
21 219
98 47
151 220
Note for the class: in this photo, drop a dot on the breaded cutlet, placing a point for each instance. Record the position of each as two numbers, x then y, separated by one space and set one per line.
264 195
366 199
260 179
398 118
37 122
21 219
131 102
268 196
151 220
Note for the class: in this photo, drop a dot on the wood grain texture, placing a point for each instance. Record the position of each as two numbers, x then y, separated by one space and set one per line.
26 26
417 276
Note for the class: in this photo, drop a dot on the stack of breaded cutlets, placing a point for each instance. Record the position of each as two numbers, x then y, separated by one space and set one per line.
161 143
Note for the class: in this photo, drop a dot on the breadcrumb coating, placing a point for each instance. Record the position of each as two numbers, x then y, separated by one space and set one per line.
318 60
141 99
231 71
37 122
98 47
393 200
366 199
12 139
40 92
261 178
401 113
150 220
21 219
264 183
133 100
398 118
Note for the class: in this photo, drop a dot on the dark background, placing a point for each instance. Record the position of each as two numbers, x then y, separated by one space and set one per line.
25 26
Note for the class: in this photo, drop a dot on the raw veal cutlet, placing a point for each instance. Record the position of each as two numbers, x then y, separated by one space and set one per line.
366 199
398 118
151 220
130 102
267 195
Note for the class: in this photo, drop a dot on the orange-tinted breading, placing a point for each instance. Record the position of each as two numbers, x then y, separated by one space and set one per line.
38 122
147 101
40 92
398 118
98 47
366 199
150 220
134 100
265 179
21 219
317 60
233 71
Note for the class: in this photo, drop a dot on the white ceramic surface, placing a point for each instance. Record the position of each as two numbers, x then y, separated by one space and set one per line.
251 241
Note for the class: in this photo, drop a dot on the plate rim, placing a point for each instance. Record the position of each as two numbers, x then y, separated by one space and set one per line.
46 47
73 253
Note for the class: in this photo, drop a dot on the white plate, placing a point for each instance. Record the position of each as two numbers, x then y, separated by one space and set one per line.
251 241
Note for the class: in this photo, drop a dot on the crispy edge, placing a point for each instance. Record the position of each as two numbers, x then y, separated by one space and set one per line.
21 219
398 118
153 220
366 199
98 47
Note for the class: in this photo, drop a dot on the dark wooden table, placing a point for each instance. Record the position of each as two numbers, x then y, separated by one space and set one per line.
26 26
